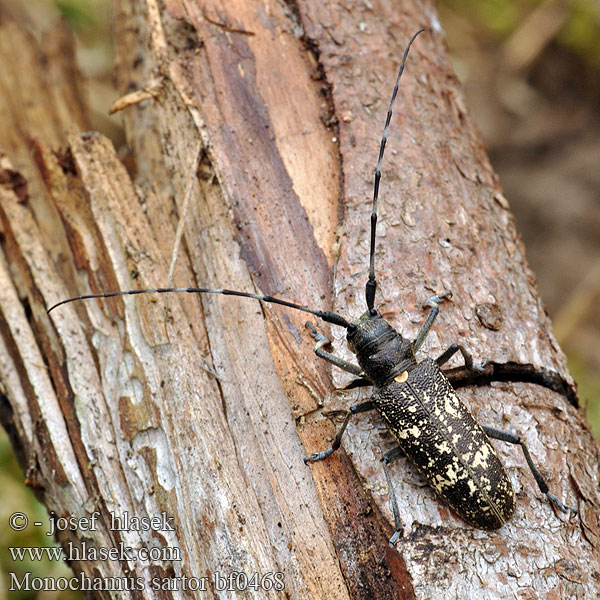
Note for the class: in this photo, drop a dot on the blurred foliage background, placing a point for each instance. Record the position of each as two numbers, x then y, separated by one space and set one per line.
531 73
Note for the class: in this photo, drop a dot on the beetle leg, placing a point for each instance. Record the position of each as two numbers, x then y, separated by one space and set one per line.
358 408
512 438
433 303
334 360
356 383
452 350
387 458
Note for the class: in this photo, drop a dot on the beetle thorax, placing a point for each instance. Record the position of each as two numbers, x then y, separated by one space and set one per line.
380 350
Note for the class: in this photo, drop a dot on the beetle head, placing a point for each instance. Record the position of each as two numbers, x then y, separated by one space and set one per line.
380 350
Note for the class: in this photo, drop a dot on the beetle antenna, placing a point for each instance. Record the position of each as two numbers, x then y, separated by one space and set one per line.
328 317
372 283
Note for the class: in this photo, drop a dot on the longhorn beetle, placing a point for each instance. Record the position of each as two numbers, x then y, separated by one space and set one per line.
432 426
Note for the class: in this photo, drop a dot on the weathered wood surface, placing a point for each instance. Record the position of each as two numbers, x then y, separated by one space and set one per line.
205 407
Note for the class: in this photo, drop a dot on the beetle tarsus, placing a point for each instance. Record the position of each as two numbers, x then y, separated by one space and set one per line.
317 336
437 299
560 505
318 456
481 367
395 537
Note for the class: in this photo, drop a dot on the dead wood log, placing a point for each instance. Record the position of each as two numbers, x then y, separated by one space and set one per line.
202 408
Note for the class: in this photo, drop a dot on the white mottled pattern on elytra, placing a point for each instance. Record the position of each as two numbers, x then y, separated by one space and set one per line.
440 436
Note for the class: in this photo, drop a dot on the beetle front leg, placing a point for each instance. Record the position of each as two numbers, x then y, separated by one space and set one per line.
358 408
512 438
346 366
334 360
434 303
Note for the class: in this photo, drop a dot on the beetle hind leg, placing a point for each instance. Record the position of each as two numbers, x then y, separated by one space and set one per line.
388 457
512 438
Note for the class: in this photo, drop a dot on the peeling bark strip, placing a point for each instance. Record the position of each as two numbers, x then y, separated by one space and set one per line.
186 406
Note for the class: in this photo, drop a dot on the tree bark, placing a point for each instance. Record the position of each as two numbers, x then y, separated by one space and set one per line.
202 408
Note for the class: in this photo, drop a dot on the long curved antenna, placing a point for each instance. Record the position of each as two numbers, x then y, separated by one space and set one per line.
372 283
328 317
